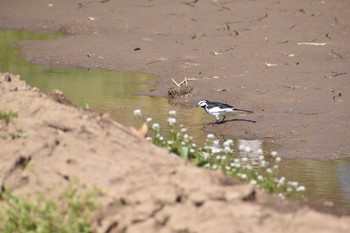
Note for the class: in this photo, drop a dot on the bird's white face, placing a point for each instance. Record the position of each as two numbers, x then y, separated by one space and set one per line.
202 103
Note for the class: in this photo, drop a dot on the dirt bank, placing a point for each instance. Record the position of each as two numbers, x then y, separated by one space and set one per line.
161 192
286 60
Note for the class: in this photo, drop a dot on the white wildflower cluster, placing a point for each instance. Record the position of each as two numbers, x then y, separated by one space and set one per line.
250 165
242 159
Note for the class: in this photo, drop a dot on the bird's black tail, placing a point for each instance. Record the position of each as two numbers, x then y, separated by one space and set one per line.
242 110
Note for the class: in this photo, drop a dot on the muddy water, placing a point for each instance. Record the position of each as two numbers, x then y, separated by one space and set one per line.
114 92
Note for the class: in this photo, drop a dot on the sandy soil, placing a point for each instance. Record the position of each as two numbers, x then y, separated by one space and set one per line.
160 192
259 50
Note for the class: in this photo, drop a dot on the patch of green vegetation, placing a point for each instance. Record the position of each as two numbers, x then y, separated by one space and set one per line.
72 213
258 168
19 134
86 104
7 116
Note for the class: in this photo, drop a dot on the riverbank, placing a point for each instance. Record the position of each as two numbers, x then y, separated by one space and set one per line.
288 61
160 192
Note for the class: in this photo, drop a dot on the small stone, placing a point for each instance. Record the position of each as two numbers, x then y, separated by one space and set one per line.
8 77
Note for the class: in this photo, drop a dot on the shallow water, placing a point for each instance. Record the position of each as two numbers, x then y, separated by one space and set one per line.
114 92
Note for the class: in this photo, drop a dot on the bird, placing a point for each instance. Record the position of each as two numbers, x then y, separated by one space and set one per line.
218 109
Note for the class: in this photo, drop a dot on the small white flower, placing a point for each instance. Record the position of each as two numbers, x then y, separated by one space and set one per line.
244 176
263 163
253 182
149 119
300 188
281 196
237 165
241 147
281 181
215 150
210 136
293 183
137 113
268 170
183 130
171 121
260 177
170 142
205 155
237 160
278 159
216 143
156 126
247 149
214 166
228 149
244 159
274 153
275 167
260 151
194 145
223 157
228 143
172 112
248 167
261 157
161 138
227 168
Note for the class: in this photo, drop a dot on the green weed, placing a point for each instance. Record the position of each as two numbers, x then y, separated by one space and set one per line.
72 213
7 116
19 134
86 104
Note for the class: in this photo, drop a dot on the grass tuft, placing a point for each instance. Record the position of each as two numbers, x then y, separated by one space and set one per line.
73 213
7 116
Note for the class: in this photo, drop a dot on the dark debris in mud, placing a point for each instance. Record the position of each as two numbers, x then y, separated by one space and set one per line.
177 92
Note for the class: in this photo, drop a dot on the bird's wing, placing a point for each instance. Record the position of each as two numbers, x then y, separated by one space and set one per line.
220 105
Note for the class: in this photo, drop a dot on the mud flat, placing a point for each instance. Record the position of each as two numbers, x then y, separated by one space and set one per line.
288 61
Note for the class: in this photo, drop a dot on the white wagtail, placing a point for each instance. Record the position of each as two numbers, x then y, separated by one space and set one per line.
218 109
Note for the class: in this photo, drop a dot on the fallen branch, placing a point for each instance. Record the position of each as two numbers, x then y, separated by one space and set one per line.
185 81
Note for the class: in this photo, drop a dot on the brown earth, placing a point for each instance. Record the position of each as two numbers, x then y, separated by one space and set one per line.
160 192
298 91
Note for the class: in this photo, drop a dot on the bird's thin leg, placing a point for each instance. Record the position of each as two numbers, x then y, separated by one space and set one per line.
223 119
